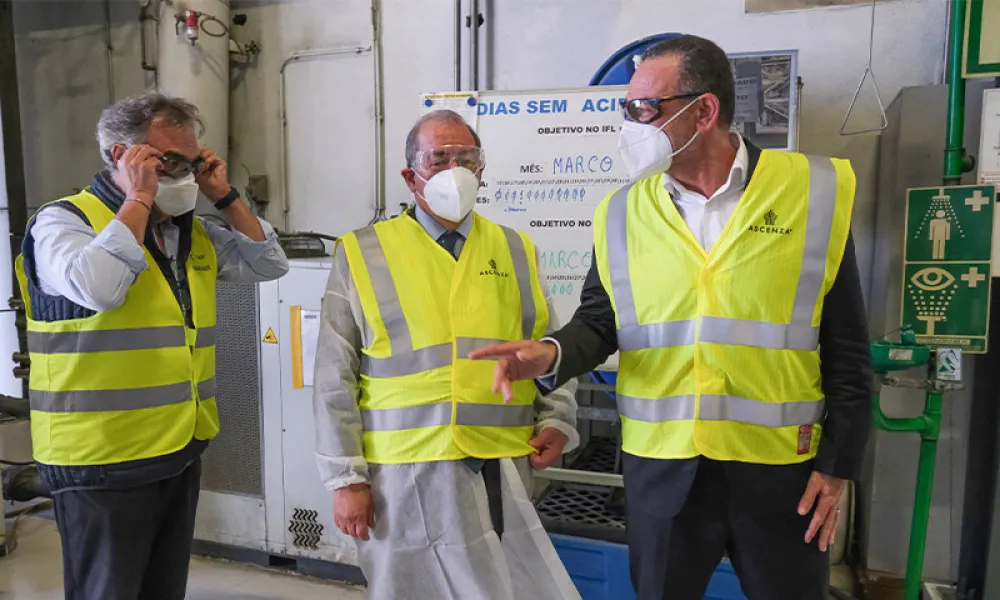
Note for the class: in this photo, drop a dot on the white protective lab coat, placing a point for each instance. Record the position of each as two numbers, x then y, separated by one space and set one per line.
433 537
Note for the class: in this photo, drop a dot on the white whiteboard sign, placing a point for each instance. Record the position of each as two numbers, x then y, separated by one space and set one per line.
551 157
989 160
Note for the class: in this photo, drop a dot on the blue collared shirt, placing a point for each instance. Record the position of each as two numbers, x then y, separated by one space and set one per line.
436 230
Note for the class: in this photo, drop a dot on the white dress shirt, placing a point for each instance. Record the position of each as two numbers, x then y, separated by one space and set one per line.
96 270
707 217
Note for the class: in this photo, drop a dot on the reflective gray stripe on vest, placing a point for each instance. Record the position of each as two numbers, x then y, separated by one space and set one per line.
407 363
777 336
410 417
466 345
206 389
433 415
755 412
406 360
424 359
495 415
656 335
799 334
206 337
523 274
385 291
109 400
659 410
617 242
106 340
819 224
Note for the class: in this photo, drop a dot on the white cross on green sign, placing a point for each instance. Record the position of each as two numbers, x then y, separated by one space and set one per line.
946 265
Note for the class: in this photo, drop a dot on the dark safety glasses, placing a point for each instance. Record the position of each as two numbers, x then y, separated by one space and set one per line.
647 110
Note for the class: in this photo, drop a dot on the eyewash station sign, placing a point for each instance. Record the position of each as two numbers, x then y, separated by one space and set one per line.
946 265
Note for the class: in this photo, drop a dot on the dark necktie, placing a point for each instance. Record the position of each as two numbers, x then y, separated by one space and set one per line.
449 240
490 470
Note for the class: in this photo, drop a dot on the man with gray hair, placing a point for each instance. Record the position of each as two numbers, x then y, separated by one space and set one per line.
119 282
427 467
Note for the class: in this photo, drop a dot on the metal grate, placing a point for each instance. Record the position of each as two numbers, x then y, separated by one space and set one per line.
233 460
579 505
599 456
306 529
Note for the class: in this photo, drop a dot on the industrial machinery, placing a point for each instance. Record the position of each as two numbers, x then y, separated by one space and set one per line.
262 488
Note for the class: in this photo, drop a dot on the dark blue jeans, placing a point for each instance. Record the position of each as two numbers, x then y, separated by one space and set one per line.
131 543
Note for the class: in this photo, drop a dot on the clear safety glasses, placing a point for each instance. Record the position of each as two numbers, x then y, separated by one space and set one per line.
438 159
177 166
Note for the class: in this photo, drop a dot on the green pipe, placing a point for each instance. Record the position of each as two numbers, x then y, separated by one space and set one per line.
907 425
956 161
922 497
928 426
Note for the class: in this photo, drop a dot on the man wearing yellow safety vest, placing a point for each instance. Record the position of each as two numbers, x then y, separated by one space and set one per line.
119 282
415 446
725 277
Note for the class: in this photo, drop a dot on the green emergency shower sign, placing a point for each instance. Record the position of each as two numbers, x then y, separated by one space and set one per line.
946 265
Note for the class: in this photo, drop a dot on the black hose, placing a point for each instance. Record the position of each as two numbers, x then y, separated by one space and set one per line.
841 595
15 407
23 484
308 234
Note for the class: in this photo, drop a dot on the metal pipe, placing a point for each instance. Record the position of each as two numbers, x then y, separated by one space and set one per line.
922 496
458 45
474 44
283 151
111 52
143 17
379 112
956 161
928 425
585 477
12 155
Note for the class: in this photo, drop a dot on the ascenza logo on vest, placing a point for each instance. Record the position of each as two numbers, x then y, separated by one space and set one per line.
493 270
770 221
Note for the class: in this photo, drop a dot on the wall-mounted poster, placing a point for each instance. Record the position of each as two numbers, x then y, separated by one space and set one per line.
766 6
767 97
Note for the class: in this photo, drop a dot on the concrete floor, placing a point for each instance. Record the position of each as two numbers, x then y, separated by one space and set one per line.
34 572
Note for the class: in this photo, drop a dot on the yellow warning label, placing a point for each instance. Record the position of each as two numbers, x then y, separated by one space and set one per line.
269 337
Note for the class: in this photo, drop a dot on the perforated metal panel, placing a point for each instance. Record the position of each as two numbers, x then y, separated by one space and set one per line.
599 456
233 460
579 505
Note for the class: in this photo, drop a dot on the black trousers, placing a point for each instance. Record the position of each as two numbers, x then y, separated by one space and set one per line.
683 516
129 544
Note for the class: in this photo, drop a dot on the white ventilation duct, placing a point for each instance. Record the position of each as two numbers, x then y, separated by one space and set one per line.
197 69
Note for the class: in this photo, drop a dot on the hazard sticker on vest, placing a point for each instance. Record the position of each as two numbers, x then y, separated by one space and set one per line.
805 438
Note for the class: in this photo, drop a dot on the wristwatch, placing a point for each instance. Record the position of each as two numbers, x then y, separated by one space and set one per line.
228 199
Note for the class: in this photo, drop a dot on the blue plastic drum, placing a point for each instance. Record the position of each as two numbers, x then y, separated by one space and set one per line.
618 69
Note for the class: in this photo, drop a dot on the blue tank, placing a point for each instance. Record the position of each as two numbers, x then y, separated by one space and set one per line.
618 69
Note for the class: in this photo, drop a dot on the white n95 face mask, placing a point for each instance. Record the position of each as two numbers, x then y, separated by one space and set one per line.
646 150
451 194
176 196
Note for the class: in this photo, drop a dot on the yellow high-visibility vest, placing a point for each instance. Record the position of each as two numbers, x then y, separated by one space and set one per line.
719 349
421 398
130 383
